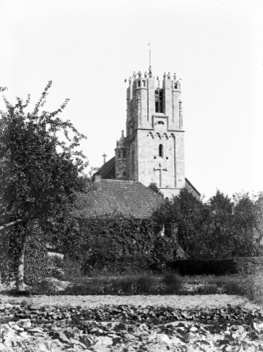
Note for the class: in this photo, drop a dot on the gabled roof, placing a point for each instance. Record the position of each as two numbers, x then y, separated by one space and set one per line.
108 169
191 188
129 198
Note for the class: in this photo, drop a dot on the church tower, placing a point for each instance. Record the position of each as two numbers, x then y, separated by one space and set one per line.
153 150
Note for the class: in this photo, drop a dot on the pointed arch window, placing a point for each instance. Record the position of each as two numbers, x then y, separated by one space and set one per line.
160 150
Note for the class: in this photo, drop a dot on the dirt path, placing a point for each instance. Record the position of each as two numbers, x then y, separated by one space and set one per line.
182 302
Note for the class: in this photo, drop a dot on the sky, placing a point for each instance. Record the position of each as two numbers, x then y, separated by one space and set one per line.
89 47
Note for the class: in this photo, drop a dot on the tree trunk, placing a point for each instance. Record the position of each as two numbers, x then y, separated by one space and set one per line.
20 272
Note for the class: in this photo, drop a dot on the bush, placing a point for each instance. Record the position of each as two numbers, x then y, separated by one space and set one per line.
145 285
249 265
55 267
172 282
229 285
208 289
252 287
72 269
251 282
204 267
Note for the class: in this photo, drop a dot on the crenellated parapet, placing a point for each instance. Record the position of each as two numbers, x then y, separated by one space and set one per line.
140 81
149 96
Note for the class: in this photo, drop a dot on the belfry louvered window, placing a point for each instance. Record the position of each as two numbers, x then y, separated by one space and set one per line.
159 106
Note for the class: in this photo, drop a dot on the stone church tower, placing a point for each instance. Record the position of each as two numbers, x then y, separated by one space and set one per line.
153 149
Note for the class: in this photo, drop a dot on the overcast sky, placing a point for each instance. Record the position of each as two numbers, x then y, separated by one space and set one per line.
88 48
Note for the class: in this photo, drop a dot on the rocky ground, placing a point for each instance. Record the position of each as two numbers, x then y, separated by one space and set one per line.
129 323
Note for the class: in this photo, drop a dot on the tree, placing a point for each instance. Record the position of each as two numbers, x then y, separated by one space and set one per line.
154 188
247 225
184 213
217 227
220 228
229 226
39 172
190 225
258 229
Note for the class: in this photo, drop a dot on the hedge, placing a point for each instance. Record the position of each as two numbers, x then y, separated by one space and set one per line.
116 243
244 265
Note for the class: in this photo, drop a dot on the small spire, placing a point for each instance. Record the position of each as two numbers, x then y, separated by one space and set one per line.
121 142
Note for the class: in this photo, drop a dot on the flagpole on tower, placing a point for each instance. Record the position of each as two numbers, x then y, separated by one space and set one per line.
149 44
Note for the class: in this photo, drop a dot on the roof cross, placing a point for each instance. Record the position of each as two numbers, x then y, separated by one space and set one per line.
104 158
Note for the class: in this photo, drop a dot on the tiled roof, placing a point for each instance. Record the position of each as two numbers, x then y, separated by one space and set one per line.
129 198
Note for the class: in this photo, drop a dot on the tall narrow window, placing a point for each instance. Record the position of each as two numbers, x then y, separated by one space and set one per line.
159 100
133 162
161 150
124 154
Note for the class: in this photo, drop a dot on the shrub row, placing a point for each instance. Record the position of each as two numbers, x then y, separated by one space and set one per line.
244 265
204 267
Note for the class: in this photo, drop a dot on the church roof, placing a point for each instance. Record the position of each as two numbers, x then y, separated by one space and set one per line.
189 186
129 198
108 169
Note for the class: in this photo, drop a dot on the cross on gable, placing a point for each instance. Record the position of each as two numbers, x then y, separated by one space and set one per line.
104 158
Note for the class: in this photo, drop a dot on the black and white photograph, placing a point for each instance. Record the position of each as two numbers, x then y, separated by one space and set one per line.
131 175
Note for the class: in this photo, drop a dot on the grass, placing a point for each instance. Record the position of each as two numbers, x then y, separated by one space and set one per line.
167 283
211 284
150 283
124 285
